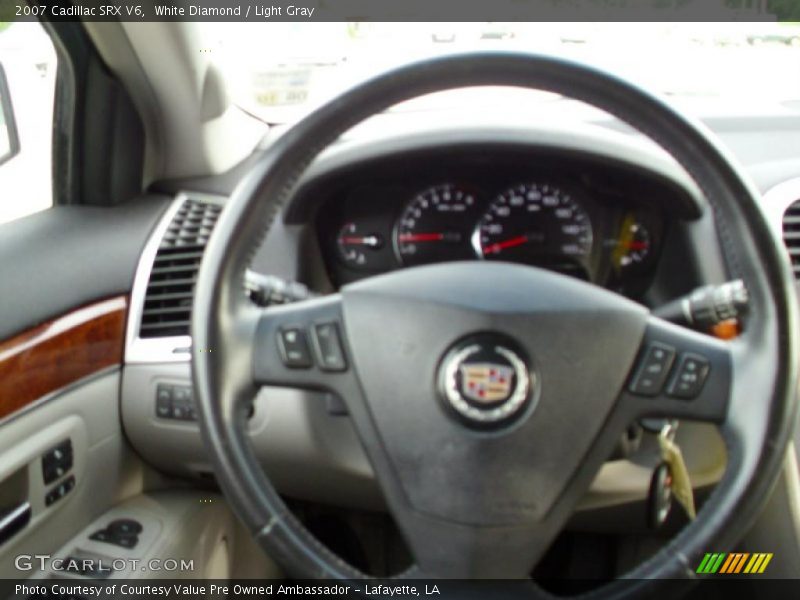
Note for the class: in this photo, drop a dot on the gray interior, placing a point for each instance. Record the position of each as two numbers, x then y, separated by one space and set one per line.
130 462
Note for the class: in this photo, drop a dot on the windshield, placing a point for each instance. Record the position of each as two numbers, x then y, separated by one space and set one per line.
279 71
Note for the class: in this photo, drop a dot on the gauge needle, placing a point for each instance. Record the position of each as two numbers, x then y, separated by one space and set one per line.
634 245
510 243
367 240
407 238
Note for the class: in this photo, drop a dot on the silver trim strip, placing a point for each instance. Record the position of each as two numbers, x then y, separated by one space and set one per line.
10 519
171 349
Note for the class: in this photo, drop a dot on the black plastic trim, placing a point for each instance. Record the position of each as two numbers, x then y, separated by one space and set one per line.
67 256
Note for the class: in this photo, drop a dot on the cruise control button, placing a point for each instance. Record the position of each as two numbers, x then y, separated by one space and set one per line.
689 377
293 347
653 370
330 355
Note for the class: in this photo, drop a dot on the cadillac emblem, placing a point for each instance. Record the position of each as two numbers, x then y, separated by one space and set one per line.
485 381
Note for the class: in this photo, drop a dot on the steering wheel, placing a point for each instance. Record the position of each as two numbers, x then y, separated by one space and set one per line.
481 474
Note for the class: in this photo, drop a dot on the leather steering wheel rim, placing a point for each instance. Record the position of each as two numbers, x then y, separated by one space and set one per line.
765 356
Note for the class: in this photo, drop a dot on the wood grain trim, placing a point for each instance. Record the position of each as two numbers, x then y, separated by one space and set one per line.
56 353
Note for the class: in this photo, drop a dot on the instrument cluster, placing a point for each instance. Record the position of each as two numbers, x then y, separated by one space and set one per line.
601 235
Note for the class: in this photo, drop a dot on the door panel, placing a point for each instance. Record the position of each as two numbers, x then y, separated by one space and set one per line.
105 470
67 273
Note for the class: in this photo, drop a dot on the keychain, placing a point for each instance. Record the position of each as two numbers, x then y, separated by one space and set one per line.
660 496
670 479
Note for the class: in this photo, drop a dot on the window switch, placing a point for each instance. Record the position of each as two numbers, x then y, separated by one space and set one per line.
126 541
51 472
101 535
57 462
125 527
121 532
59 491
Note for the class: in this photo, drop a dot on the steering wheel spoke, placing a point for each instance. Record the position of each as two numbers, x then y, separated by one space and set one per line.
302 345
450 550
679 373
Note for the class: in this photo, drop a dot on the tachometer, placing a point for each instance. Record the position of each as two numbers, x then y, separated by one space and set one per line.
539 224
435 226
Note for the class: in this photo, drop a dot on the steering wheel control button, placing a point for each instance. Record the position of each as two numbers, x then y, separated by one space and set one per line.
328 346
689 377
293 346
653 370
484 381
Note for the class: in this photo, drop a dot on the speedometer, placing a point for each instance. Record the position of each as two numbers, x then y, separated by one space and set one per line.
535 223
435 226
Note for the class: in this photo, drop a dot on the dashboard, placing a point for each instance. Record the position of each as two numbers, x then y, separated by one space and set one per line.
598 222
591 205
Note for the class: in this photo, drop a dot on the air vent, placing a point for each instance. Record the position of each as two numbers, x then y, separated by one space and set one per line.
791 235
170 289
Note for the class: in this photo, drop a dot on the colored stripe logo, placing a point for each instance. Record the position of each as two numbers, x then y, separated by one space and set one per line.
734 563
